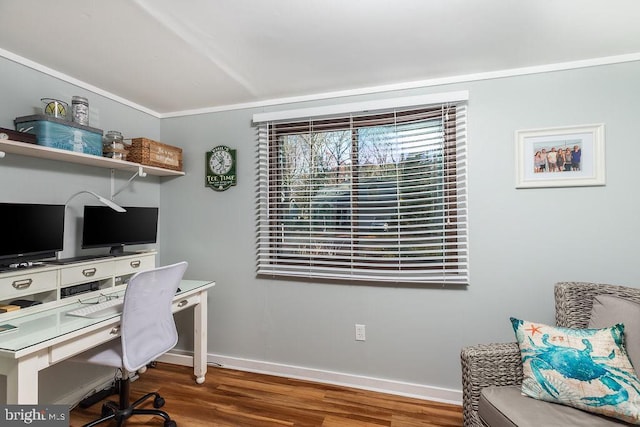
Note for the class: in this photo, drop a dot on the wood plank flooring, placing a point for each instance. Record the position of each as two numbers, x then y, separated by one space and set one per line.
236 398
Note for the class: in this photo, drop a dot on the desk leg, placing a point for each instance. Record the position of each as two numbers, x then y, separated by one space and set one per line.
200 339
22 381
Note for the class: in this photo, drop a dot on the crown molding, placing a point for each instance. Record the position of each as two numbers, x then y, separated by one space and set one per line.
465 78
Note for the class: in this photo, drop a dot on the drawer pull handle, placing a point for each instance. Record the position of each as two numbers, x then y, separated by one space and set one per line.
183 303
22 284
89 272
115 330
135 264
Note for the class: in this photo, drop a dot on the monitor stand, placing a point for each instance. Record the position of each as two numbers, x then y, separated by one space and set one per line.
119 251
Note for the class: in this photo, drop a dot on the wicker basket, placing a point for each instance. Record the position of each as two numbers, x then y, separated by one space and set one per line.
153 153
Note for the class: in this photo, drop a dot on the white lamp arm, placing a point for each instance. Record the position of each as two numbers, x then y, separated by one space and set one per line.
104 201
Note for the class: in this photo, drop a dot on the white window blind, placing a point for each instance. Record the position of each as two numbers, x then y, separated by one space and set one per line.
368 196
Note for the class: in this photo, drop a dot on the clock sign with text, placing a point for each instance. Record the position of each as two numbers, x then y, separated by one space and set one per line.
220 168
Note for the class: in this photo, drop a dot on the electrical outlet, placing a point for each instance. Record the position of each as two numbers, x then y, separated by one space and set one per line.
360 333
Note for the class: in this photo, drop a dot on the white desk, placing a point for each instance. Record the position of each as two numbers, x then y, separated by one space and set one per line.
50 336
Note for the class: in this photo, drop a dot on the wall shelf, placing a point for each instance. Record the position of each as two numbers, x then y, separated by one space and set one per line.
32 150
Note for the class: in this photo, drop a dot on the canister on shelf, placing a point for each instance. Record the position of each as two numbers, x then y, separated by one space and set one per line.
55 108
80 110
113 145
112 137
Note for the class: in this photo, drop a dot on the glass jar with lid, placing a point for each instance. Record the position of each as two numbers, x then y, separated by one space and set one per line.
80 110
113 145
113 137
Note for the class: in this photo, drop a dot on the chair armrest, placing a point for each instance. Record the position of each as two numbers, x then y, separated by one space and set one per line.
485 365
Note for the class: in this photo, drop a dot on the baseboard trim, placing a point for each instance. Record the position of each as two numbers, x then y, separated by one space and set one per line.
400 388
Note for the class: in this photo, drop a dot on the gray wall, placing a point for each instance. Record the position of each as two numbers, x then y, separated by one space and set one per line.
521 241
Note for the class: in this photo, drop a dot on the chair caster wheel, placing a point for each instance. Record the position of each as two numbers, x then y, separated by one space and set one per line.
158 402
170 423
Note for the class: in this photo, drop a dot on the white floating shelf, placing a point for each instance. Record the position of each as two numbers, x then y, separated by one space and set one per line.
32 150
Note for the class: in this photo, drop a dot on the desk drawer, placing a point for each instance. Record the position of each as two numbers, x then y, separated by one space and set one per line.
86 273
135 264
186 302
27 284
82 343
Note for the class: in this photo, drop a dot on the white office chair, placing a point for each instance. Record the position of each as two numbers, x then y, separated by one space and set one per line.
147 331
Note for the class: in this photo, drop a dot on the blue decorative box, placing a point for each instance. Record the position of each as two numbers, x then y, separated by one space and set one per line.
63 134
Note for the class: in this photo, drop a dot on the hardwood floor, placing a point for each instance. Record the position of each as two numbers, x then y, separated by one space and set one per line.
236 398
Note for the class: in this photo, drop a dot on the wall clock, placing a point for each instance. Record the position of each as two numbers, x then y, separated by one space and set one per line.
220 168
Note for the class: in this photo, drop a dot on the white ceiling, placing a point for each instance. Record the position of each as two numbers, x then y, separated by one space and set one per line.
173 56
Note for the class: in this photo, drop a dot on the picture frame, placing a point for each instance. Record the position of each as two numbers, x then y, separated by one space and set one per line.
539 162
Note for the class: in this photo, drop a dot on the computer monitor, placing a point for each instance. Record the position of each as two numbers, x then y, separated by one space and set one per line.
104 227
30 232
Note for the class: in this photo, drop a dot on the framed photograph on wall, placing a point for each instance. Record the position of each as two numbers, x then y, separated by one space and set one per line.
560 157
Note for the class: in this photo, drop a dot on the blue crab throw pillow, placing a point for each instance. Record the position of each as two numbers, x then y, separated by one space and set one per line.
587 369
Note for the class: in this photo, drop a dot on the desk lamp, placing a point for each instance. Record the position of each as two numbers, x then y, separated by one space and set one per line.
97 196
104 201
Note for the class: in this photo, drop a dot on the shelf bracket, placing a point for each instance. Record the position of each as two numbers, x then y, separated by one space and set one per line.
140 173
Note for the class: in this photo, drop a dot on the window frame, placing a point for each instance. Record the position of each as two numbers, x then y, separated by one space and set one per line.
454 194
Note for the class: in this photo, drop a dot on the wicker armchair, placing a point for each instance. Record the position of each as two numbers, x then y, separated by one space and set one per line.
485 365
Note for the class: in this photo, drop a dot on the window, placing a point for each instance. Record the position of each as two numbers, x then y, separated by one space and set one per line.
370 196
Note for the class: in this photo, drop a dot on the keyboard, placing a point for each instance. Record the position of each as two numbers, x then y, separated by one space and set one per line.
107 308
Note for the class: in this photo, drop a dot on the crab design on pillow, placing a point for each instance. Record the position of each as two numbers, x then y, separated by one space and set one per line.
585 368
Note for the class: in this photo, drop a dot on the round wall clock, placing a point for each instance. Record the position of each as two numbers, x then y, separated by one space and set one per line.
220 162
220 168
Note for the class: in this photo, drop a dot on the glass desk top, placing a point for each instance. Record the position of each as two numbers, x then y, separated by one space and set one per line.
48 324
